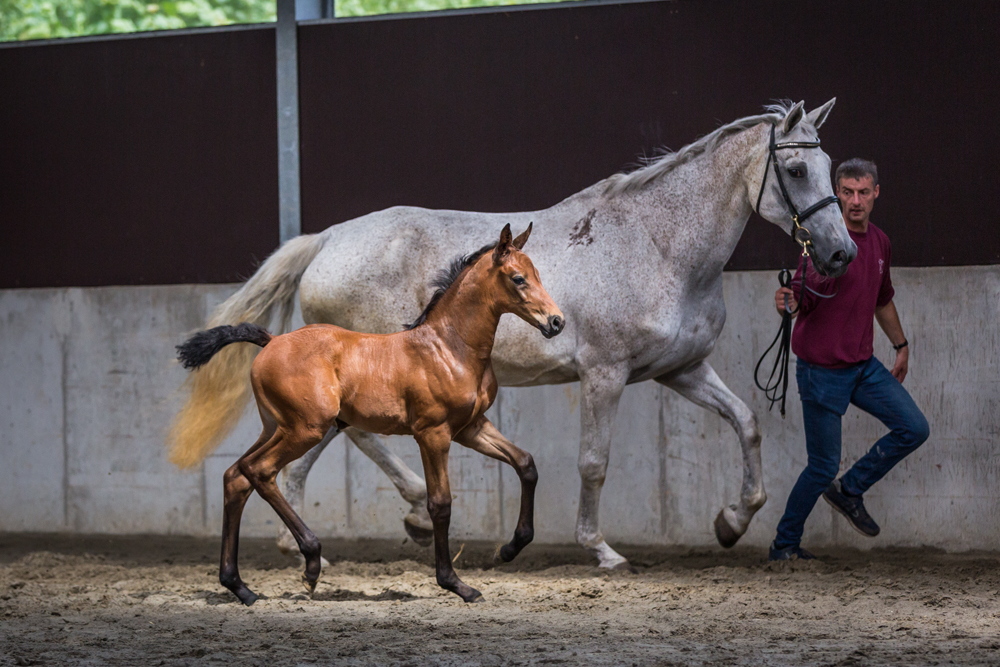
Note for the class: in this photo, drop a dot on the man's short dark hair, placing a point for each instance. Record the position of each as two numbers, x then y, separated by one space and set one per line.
856 168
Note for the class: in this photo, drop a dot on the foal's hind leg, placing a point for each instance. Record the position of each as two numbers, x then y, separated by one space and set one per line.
434 448
294 487
236 491
484 437
261 467
702 386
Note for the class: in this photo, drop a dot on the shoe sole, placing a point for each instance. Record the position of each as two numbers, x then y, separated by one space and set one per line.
848 517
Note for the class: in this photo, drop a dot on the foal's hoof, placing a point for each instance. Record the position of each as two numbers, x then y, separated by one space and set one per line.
310 585
473 596
246 596
498 557
724 532
422 536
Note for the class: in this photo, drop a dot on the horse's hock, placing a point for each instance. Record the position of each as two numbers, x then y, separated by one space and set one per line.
80 366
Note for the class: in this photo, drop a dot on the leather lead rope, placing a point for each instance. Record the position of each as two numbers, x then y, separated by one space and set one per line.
776 388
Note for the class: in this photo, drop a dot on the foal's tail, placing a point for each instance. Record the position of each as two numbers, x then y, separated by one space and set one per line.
219 390
199 348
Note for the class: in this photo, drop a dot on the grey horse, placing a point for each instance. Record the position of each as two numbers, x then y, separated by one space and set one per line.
635 261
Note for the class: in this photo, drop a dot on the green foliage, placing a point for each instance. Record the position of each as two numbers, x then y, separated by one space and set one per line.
369 7
44 19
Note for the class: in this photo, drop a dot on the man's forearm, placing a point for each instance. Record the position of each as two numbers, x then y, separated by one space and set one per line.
888 319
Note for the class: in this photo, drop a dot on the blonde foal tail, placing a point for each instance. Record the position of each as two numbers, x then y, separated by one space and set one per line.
218 392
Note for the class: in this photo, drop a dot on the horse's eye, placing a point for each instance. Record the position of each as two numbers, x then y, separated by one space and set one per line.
795 172
519 280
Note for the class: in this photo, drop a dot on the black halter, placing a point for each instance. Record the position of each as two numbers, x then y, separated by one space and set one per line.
801 234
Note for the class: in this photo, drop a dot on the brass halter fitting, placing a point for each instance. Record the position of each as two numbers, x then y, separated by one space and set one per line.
802 235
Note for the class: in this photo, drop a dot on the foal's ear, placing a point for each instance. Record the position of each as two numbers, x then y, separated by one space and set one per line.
522 238
502 251
818 116
792 118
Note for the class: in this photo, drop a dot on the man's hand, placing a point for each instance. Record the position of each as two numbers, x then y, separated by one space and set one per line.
902 364
780 297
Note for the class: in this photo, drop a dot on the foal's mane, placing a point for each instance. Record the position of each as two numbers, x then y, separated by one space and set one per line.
660 166
446 278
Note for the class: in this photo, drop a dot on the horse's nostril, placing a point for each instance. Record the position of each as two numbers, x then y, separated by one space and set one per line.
839 257
556 323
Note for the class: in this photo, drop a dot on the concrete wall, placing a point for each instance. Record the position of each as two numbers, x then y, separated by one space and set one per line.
88 386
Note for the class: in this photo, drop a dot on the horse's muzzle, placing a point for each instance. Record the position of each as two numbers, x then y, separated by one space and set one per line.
553 327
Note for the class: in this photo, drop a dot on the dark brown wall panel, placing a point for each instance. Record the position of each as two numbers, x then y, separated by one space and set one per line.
137 160
517 110
153 159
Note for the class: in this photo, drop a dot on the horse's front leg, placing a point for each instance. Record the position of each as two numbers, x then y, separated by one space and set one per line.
434 447
417 523
702 386
484 437
600 391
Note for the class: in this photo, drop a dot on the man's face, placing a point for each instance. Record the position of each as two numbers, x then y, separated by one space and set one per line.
857 197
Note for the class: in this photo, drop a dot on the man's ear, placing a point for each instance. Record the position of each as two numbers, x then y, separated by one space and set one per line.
875 191
502 251
522 238
792 118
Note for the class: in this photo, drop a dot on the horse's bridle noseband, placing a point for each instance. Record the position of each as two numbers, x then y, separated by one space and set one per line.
801 234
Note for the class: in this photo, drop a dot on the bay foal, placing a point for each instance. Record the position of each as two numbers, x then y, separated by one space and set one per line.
433 381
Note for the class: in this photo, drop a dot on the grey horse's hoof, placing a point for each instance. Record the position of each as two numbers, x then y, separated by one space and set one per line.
625 566
418 534
724 532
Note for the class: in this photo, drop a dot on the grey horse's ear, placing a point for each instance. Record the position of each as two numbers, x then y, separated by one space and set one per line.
818 116
522 238
793 117
502 250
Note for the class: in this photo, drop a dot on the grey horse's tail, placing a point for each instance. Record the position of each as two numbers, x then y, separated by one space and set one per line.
196 351
219 390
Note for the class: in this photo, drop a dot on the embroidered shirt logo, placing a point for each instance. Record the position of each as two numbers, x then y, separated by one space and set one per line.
881 264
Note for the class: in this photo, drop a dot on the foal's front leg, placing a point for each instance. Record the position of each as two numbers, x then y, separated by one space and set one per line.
434 447
484 437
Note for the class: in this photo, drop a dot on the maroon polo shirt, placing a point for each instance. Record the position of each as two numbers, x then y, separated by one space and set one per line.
837 332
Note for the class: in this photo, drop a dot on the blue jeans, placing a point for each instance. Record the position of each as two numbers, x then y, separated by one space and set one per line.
825 394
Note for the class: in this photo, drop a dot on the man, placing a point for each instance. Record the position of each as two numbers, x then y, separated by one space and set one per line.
832 339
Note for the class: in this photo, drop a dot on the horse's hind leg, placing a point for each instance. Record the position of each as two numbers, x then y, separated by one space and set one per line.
294 487
434 448
484 437
702 386
417 523
262 466
237 490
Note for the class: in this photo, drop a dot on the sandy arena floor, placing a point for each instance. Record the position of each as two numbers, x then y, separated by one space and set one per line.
157 601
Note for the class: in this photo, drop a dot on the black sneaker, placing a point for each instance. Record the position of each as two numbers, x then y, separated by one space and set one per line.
852 507
789 553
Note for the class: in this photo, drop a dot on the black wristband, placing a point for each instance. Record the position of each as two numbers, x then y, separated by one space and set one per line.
901 345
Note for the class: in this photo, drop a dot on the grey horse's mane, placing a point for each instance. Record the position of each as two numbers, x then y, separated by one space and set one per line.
664 164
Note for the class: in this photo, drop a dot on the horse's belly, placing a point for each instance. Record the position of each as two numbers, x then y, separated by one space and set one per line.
676 348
